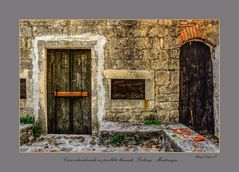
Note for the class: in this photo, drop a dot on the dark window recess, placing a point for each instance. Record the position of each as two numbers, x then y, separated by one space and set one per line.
127 89
23 94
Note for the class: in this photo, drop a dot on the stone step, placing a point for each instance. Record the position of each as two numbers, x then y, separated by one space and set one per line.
173 137
127 134
185 140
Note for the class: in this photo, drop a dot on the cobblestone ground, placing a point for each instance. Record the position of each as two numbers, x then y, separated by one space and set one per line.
81 144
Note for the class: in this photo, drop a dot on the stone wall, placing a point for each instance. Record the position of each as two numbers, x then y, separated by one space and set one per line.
146 45
26 134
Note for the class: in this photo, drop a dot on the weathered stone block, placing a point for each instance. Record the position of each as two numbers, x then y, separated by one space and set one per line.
25 53
150 115
120 31
23 102
173 115
156 43
148 22
138 117
157 31
140 32
168 105
172 88
113 45
85 30
26 110
149 54
161 43
39 30
164 56
75 22
162 77
25 31
23 22
174 77
29 42
161 31
37 22
61 22
163 116
161 113
173 31
169 89
167 97
72 30
143 43
173 64
25 134
157 64
168 42
26 64
118 117
168 23
162 89
153 32
22 42
174 53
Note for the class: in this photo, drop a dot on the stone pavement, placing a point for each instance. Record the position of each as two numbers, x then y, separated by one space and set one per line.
80 144
152 139
174 137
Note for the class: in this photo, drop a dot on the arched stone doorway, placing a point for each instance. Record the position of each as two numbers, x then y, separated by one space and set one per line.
196 86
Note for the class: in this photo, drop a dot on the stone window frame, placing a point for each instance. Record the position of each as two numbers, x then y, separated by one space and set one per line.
96 44
148 75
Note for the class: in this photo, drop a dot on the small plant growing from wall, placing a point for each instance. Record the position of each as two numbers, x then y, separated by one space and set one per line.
27 119
117 140
37 130
152 122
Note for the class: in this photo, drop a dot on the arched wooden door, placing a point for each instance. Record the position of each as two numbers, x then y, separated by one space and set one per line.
196 87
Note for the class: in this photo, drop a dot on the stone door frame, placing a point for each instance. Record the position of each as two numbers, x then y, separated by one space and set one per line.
96 44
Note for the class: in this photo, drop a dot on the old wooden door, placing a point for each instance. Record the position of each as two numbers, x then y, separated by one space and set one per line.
68 76
196 87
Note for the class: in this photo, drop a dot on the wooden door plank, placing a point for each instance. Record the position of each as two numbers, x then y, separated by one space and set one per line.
50 98
86 101
82 82
76 78
58 78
